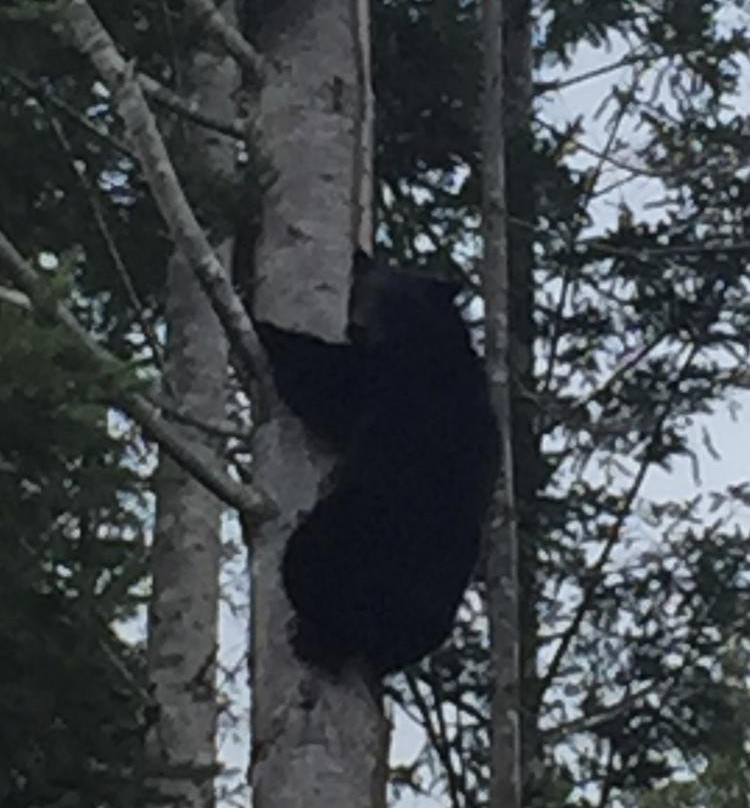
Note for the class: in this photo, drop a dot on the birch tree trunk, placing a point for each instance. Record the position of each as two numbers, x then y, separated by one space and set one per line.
502 562
183 631
317 742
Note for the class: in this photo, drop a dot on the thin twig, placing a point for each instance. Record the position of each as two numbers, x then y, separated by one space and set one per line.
602 155
594 574
252 504
438 741
47 95
632 59
619 372
159 93
92 195
155 90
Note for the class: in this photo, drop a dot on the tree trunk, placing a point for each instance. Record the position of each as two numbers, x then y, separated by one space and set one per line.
502 561
183 634
529 470
316 742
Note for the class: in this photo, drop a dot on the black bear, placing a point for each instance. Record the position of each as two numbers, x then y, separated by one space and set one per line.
376 571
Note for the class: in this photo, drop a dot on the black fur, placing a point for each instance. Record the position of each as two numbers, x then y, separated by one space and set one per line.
376 571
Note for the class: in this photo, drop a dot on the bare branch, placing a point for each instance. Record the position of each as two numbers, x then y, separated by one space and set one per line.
595 573
252 504
161 94
602 159
560 84
222 429
164 96
437 736
638 171
620 371
82 27
92 195
206 13
48 96
15 298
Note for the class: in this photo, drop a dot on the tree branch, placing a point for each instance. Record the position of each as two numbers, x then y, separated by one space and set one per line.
92 197
206 13
222 429
49 96
83 28
560 84
253 505
15 298
595 572
164 96
161 94
637 171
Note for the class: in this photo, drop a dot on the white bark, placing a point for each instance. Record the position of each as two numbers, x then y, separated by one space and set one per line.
183 630
316 742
